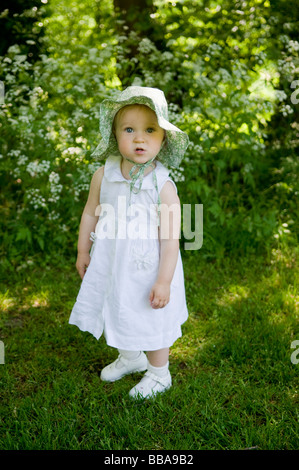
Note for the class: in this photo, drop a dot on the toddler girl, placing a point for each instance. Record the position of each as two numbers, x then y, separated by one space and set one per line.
132 284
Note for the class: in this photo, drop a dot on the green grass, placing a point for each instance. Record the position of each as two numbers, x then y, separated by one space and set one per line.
234 385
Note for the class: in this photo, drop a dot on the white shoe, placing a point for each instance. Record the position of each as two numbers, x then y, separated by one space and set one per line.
150 385
122 366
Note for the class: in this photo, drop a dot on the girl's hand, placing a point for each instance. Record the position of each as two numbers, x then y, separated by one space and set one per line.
83 260
160 294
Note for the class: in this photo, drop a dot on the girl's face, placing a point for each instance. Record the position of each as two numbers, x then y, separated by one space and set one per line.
138 133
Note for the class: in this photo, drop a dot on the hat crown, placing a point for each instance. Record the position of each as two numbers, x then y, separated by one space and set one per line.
155 95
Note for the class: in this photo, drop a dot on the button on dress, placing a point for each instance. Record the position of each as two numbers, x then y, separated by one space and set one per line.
114 295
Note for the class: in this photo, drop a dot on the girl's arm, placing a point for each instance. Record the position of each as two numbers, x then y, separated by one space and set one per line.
170 227
88 222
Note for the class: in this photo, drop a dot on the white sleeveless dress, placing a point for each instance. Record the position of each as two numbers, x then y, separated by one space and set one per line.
114 294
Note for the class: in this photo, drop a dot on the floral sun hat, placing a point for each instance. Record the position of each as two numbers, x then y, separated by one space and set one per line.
171 152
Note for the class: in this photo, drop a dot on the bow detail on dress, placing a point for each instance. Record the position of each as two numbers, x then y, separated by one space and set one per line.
137 173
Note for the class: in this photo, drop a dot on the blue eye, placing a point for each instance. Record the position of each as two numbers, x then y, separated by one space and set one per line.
150 130
129 130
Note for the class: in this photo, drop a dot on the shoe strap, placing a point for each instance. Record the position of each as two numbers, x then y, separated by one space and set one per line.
161 380
126 361
123 360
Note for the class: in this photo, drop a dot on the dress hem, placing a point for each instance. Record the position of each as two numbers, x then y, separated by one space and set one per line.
114 342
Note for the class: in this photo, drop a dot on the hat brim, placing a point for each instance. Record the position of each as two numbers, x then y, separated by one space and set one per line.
171 153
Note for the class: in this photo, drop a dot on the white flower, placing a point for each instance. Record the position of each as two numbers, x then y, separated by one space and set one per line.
34 168
54 177
286 109
72 151
281 95
293 46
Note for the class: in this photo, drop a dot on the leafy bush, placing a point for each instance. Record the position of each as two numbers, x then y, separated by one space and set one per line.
49 121
221 79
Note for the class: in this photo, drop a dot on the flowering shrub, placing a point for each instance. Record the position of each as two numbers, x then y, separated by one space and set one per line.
49 121
215 72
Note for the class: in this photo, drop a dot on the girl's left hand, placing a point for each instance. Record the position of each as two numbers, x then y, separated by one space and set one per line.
160 294
83 260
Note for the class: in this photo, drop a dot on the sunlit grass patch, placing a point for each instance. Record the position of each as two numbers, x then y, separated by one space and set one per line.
6 301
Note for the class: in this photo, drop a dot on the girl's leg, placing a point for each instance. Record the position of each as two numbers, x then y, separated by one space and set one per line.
158 358
130 355
157 379
126 363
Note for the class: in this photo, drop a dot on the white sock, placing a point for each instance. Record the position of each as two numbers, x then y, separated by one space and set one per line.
159 371
129 355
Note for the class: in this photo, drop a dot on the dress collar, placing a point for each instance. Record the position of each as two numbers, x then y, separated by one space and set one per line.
113 172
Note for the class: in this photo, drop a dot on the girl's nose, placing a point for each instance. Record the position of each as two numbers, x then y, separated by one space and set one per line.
139 137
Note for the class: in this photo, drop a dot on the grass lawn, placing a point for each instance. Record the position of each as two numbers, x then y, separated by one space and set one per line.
234 384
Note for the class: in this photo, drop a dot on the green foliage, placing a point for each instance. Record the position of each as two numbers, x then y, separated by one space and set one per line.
49 120
21 22
228 80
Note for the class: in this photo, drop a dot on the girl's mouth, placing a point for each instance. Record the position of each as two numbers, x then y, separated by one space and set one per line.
139 151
